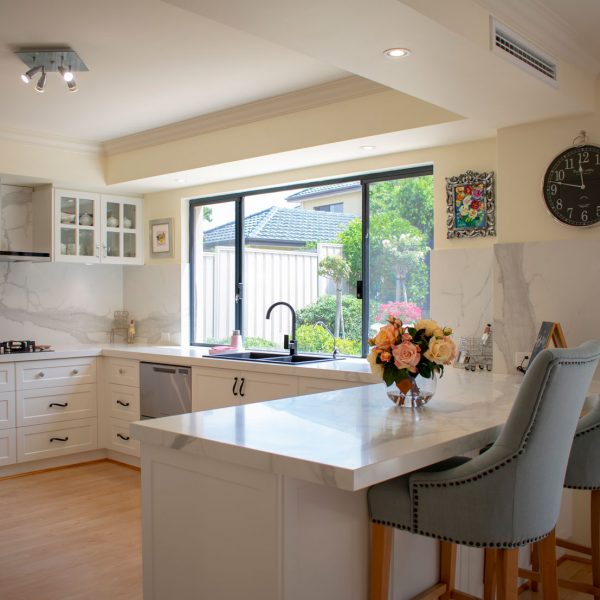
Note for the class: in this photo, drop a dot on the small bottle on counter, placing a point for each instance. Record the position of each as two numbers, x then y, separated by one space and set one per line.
236 340
486 333
131 332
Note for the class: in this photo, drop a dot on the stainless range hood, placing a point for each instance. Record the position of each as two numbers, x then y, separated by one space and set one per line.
12 256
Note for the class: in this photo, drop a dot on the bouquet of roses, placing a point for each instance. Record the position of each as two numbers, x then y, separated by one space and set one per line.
401 353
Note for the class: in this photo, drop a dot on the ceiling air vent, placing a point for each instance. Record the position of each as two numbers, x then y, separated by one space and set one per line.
523 53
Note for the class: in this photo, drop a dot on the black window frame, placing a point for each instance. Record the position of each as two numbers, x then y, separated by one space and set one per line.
364 179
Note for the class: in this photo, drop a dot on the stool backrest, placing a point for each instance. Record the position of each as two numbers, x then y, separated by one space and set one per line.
539 431
583 469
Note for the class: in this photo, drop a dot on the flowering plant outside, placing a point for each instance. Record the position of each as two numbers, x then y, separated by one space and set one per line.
400 352
407 312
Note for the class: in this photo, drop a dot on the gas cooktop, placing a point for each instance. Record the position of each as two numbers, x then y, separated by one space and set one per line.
18 347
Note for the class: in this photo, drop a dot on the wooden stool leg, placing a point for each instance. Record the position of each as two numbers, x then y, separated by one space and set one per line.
507 569
535 565
490 556
547 558
595 533
447 568
381 554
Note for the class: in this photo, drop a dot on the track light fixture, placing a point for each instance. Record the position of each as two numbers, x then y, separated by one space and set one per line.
41 84
49 60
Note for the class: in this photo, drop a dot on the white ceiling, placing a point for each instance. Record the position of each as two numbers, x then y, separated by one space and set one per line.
155 62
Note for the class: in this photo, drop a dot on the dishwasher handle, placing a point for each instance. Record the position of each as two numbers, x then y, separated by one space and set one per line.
164 370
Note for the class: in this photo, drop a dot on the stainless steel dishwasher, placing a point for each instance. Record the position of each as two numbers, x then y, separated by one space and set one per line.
164 390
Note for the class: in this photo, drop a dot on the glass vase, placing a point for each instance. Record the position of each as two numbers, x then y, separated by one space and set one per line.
414 393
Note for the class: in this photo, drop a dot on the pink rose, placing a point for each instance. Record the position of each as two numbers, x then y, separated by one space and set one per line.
386 337
406 337
407 356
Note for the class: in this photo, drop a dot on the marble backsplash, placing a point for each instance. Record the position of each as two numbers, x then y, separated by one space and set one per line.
15 218
461 289
543 281
55 303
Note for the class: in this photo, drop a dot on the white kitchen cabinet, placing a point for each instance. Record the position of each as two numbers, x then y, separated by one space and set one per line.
123 402
51 405
218 388
94 228
7 377
42 374
56 439
121 440
121 230
123 371
8 447
314 385
7 410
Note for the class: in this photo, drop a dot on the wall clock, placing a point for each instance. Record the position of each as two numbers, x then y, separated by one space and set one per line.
572 186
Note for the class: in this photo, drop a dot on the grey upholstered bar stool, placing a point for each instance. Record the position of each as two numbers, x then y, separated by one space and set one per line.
507 497
583 473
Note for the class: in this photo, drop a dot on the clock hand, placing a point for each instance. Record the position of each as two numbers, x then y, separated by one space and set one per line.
581 175
581 187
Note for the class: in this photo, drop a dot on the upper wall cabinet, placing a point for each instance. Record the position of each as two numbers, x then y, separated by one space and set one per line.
94 228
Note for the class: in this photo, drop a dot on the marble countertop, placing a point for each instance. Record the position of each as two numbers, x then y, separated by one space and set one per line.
349 369
349 439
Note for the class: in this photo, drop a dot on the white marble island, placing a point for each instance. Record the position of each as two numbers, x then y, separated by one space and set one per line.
267 501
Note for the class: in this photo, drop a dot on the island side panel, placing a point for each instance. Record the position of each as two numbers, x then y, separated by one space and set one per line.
210 529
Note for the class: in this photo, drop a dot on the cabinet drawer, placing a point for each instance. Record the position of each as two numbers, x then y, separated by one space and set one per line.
55 439
52 373
8 447
7 377
120 438
123 371
7 410
55 404
124 402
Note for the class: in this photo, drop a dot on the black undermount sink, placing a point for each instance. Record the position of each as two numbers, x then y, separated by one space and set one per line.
271 357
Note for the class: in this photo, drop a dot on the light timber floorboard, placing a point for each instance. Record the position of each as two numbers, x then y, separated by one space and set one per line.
567 570
71 534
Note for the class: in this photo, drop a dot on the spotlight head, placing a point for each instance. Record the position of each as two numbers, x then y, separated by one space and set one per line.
26 77
72 85
41 84
67 75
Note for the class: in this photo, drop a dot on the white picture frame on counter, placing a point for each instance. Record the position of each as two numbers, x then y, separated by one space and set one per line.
161 238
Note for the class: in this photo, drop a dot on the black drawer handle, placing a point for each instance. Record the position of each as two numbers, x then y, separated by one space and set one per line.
65 439
58 404
242 393
122 403
235 381
123 437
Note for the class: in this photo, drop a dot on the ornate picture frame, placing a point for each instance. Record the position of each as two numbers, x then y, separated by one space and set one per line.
161 238
471 205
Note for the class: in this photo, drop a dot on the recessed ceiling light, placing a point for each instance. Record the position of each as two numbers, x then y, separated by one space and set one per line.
367 148
396 52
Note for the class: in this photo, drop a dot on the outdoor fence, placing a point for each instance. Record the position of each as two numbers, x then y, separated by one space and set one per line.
270 275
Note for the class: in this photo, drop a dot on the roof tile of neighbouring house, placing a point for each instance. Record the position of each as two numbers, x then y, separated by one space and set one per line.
324 190
284 226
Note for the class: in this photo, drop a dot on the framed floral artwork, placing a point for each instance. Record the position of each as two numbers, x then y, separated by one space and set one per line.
161 238
471 205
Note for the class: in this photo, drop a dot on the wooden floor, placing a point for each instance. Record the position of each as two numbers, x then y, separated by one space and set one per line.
71 534
575 571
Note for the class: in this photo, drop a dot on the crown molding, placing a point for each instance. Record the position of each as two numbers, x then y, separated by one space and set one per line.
307 98
50 141
541 25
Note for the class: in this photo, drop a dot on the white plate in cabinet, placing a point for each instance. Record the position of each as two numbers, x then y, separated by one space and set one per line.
313 385
37 374
124 402
8 447
120 438
7 377
7 410
123 371
55 404
218 388
55 439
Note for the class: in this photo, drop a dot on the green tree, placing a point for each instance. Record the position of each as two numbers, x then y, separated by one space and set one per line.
338 270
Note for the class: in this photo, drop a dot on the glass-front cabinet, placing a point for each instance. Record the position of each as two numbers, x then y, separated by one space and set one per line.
95 228
122 230
77 227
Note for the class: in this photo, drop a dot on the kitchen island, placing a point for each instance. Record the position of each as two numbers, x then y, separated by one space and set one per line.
267 501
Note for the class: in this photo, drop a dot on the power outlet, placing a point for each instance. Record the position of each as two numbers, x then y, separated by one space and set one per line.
521 359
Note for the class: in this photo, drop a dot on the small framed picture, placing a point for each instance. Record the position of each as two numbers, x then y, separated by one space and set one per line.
470 205
161 238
